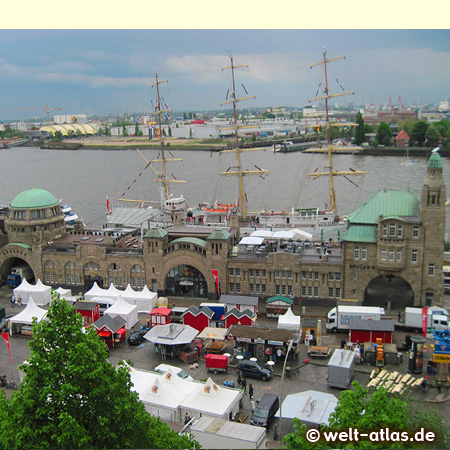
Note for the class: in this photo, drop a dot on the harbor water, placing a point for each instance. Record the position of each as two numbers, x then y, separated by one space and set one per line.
85 178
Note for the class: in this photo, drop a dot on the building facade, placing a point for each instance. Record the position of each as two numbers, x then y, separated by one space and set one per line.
393 248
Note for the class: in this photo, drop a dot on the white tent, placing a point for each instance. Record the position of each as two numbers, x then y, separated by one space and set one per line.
283 235
41 294
112 291
124 309
211 400
145 299
262 233
25 317
64 293
161 393
311 407
289 321
95 291
251 240
301 234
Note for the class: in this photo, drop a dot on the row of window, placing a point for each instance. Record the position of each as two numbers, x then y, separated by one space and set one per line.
306 291
396 230
36 214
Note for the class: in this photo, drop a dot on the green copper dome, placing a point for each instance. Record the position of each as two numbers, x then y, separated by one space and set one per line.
435 161
34 198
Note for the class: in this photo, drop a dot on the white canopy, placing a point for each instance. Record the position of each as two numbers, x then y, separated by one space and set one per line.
95 291
41 294
124 309
25 317
302 234
289 321
262 233
210 399
283 235
64 293
251 240
171 334
113 291
311 407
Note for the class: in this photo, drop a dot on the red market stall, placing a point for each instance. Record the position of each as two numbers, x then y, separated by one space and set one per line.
160 316
234 316
364 330
198 318
111 329
90 311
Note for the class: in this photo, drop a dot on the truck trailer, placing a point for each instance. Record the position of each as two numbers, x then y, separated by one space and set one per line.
437 318
337 318
18 273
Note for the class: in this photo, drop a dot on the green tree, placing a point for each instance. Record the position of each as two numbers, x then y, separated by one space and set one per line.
443 126
70 134
124 130
136 129
72 397
360 135
170 131
418 132
190 132
432 136
384 134
407 125
254 137
366 412
58 136
79 133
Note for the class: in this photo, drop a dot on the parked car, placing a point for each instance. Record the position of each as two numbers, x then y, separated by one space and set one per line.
136 337
265 410
253 369
163 368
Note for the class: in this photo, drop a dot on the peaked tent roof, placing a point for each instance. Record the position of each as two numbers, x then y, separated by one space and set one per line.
289 320
30 311
402 135
171 334
280 298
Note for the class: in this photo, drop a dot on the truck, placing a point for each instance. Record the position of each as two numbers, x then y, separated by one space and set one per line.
337 318
437 318
216 363
18 273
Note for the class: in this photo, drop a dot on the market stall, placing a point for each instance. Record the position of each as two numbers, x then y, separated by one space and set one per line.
125 310
41 294
278 305
159 316
90 311
214 340
21 323
289 321
111 329
198 318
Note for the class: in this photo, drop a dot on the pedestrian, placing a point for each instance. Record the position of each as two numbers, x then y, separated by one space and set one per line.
424 385
244 384
239 380
343 343
399 316
439 387
279 354
13 301
250 390
19 301
187 419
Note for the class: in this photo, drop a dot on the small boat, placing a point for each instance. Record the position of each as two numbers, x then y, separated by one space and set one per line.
407 161
69 216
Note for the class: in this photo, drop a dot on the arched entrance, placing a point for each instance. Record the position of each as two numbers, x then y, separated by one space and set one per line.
20 266
390 292
186 281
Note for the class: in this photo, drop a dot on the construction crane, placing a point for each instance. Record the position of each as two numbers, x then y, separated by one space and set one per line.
37 109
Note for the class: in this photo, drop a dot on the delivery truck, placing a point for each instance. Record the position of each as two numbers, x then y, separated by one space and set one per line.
437 318
18 273
337 318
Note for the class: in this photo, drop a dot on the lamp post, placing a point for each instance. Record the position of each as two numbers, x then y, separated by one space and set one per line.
291 342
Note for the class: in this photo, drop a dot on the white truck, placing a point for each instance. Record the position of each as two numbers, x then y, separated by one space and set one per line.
437 318
337 318
23 270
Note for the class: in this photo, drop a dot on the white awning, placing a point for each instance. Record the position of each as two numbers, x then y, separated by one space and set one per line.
251 240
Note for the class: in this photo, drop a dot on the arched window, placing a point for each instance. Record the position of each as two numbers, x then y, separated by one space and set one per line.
70 272
50 275
115 275
137 277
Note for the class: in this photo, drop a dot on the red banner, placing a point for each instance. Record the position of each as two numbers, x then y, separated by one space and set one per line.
216 278
6 338
424 320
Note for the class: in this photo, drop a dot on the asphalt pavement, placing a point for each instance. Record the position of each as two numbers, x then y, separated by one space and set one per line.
306 374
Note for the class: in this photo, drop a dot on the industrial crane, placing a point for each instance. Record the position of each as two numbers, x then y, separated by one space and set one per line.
37 109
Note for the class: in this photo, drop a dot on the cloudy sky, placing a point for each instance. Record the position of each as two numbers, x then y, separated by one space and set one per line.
102 71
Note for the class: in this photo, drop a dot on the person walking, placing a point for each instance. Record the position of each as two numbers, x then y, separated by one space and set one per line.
279 354
13 301
244 384
343 343
250 391
424 385
19 301
187 419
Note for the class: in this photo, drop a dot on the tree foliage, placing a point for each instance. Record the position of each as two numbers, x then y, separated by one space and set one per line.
432 135
418 132
384 134
358 410
360 135
72 397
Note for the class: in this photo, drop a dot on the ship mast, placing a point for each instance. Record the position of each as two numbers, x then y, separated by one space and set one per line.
331 173
238 171
162 176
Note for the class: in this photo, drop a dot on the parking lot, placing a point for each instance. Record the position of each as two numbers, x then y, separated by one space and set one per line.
306 374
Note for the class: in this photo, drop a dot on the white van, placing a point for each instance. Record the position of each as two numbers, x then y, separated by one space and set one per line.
103 303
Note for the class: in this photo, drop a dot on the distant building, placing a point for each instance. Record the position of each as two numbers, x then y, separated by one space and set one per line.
402 139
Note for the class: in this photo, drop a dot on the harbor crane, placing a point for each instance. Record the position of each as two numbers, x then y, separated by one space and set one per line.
37 109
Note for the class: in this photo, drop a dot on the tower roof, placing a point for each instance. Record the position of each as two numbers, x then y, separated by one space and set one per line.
34 198
435 161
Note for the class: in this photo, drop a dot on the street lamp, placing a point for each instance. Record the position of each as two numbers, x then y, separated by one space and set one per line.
291 342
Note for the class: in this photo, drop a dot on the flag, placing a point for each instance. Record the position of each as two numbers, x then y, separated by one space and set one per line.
107 205
6 338
216 278
424 321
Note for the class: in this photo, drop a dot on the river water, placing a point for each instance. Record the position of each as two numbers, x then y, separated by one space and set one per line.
84 178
